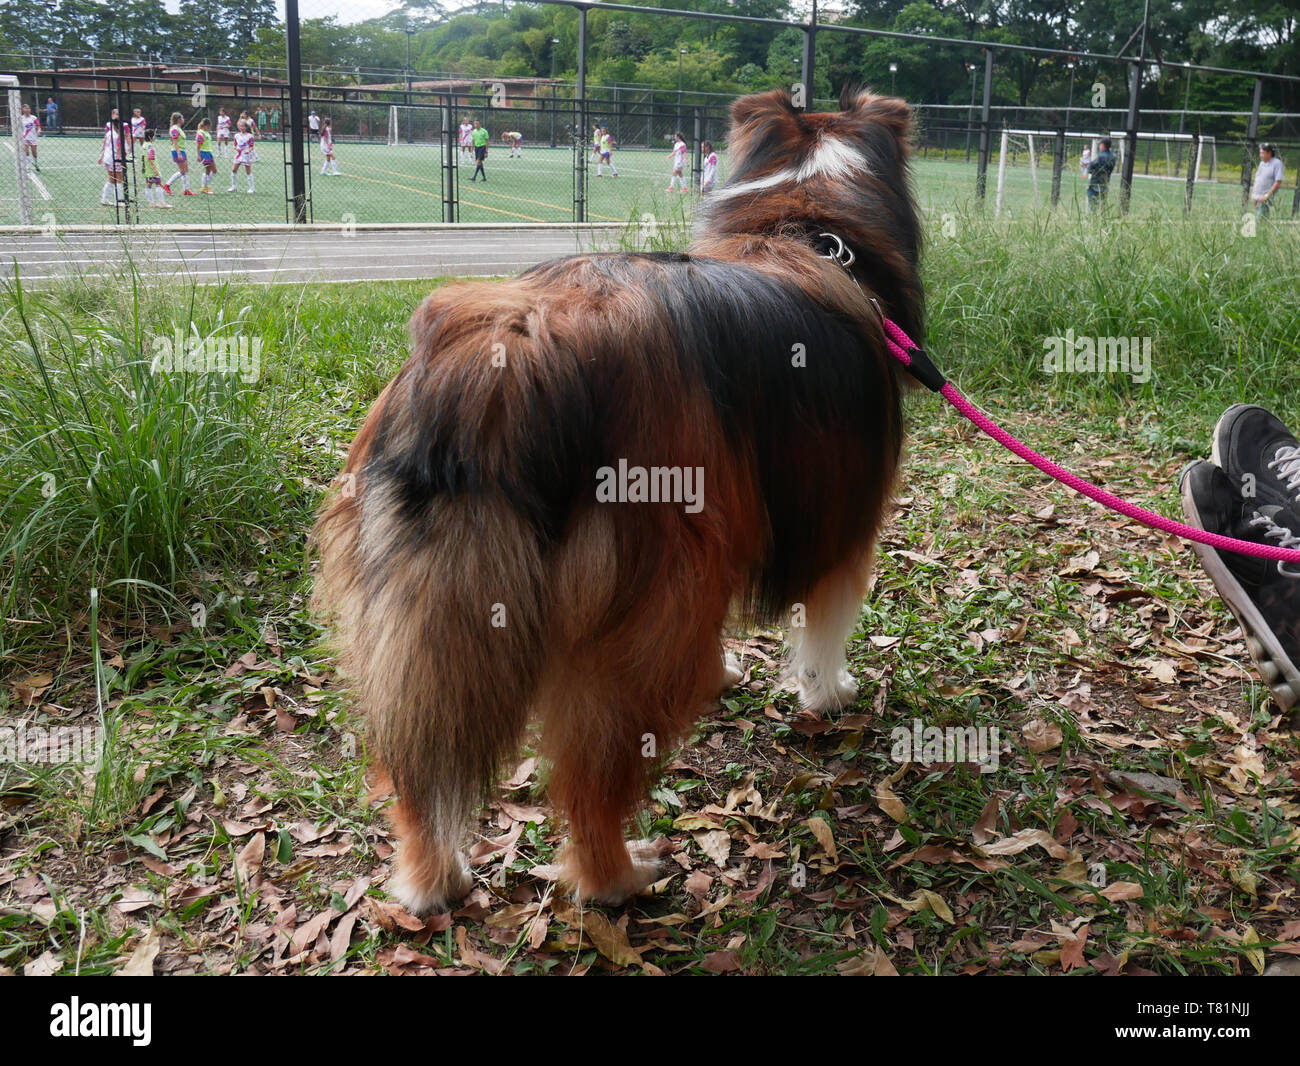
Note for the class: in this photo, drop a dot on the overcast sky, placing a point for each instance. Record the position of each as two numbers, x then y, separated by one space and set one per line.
360 10
343 10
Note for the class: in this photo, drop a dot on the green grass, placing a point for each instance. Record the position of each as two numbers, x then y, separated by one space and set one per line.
402 184
233 727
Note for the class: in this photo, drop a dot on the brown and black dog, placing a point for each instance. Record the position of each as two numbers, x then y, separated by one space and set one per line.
582 475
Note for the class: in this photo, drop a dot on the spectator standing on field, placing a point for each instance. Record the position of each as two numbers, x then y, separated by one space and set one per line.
51 115
1268 179
1099 171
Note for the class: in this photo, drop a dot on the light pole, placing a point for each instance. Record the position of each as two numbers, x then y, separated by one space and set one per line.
410 139
554 42
893 70
1069 100
1182 119
970 115
680 52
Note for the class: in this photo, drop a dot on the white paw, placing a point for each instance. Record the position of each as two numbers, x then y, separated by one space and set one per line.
435 896
732 670
826 691
645 855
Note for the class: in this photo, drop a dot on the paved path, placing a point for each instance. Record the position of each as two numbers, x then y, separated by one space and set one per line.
295 255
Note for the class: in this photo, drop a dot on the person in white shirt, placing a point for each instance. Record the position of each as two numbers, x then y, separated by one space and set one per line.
709 169
1268 179
243 156
223 132
31 131
678 157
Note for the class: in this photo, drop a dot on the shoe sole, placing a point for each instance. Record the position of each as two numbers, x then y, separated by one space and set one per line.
1275 667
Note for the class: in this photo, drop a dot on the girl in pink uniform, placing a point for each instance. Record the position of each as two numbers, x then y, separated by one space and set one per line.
678 156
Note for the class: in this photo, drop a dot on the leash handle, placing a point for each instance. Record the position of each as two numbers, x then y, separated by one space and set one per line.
907 352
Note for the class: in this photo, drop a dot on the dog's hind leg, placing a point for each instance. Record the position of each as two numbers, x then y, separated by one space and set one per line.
441 625
818 662
619 699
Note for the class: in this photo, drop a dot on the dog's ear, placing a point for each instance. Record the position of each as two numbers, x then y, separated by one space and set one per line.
888 111
773 104
849 94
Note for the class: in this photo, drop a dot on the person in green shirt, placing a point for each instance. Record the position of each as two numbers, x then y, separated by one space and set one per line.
479 136
275 123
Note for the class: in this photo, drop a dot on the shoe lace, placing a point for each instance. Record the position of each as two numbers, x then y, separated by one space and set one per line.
1287 464
1285 538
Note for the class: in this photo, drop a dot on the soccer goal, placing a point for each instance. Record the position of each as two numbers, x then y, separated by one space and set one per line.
1028 164
1175 149
414 124
16 193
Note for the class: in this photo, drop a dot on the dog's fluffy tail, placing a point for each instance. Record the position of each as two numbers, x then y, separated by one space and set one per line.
437 615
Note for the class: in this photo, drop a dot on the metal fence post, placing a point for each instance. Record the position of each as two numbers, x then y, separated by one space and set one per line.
1130 137
297 157
1058 165
449 149
1193 166
1251 148
982 166
580 116
809 55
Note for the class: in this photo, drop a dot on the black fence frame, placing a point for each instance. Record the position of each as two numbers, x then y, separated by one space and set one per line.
296 96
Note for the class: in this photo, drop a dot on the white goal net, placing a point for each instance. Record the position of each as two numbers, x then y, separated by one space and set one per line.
1027 159
15 195
415 124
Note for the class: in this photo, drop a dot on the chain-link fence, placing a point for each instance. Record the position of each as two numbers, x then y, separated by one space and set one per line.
386 141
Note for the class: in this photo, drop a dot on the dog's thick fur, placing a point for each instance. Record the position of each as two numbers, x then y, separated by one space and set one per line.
474 577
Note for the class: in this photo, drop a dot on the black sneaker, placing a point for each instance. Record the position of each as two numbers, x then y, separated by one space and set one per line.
1264 595
1254 448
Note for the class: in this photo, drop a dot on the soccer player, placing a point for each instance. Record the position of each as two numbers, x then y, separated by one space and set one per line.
203 145
709 171
153 183
480 137
251 128
110 158
223 132
513 140
606 153
31 131
135 131
327 149
180 154
275 123
466 138
243 156
678 157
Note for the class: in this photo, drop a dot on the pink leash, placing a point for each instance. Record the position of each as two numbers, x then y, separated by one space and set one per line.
907 352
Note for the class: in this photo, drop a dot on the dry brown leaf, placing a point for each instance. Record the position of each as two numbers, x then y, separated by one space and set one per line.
822 831
1041 736
140 964
1023 841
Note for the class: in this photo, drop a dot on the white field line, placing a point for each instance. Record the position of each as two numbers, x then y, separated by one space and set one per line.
40 185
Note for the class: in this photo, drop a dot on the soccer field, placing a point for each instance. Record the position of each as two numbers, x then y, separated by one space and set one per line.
379 183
